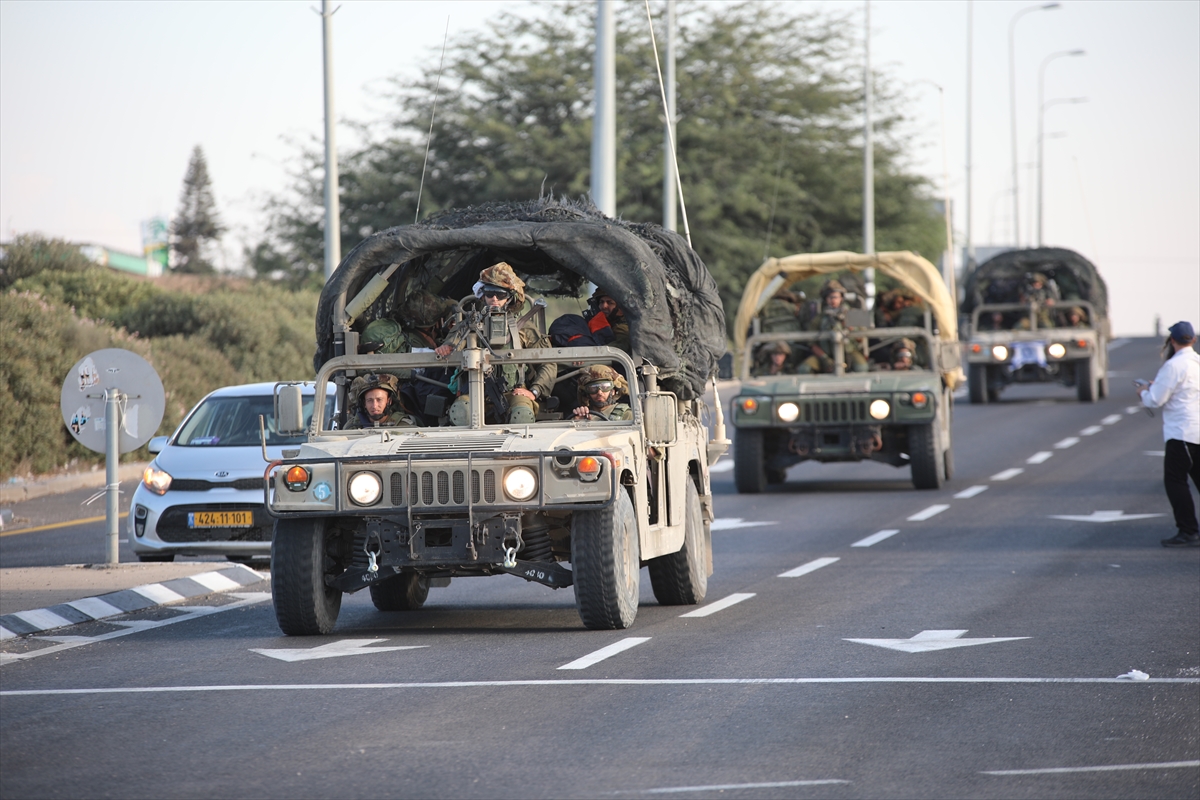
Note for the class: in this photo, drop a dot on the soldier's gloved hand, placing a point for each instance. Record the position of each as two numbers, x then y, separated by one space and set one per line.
442 350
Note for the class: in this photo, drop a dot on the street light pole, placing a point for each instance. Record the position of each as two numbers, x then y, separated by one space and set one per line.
1040 147
868 168
333 224
970 243
670 202
1041 118
1012 109
604 122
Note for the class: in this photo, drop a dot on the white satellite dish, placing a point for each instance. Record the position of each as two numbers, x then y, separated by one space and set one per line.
94 377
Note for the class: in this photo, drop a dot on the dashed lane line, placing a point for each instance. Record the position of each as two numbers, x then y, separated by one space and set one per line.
1090 430
811 566
1039 457
1007 474
927 513
969 492
876 538
1133 409
719 605
1111 419
1103 768
1070 441
732 787
606 652
1159 453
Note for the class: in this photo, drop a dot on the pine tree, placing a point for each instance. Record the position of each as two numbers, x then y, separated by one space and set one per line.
196 227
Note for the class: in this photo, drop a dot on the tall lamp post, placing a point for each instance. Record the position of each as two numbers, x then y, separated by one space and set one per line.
1012 109
868 165
949 257
1041 146
333 224
1041 117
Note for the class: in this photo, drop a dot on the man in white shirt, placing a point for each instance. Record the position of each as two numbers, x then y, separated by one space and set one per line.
1176 390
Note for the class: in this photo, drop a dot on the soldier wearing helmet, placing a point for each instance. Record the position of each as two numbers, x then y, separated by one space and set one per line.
1040 292
902 356
422 320
604 312
375 403
1075 317
772 359
832 319
600 389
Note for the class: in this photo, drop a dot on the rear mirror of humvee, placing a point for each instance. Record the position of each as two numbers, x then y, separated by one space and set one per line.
289 409
659 412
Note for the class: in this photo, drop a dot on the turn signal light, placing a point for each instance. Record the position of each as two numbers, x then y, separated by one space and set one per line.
976 348
1081 342
749 405
588 468
920 399
297 479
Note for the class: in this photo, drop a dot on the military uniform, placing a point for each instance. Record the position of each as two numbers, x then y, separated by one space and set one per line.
830 321
597 321
613 409
1043 297
395 415
763 363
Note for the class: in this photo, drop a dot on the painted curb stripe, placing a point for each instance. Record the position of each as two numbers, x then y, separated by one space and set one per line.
42 619
95 608
215 581
160 594
5 633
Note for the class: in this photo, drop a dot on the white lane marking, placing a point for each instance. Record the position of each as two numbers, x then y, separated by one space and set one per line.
722 466
1132 409
1105 768
926 513
720 605
95 608
1070 441
875 538
728 787
733 523
1039 457
1090 430
1159 453
811 566
342 647
1111 419
374 687
215 581
158 593
190 613
43 619
969 492
1105 516
928 641
1007 474
606 652
1115 343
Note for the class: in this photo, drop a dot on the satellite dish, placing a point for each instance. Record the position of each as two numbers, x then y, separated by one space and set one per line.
83 397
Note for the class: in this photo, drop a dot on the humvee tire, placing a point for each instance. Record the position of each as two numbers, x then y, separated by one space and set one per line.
1085 382
606 564
749 469
304 605
681 579
948 461
928 466
977 381
1104 387
407 591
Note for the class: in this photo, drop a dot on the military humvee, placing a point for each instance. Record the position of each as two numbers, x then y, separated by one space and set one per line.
399 510
898 417
1021 336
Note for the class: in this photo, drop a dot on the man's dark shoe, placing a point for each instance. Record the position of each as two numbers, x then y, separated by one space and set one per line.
1182 540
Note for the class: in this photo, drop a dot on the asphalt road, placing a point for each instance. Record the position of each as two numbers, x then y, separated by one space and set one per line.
499 692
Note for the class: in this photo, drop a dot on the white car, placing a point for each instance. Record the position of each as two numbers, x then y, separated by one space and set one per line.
203 492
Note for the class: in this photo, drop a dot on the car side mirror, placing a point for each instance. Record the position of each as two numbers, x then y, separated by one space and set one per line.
289 409
157 444
659 412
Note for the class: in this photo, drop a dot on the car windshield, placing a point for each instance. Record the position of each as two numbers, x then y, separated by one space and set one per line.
233 422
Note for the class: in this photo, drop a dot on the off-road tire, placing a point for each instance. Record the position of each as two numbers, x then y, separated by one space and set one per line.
1086 387
681 579
606 563
948 461
407 591
749 462
155 558
304 605
977 383
1104 387
928 466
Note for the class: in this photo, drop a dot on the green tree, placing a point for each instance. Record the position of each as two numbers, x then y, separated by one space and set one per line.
196 227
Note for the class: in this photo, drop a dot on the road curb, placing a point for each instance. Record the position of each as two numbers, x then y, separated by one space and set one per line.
139 598
20 492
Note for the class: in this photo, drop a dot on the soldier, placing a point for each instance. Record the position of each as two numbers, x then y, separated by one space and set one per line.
1075 317
772 359
1039 291
518 388
831 319
604 312
902 355
781 313
600 389
375 401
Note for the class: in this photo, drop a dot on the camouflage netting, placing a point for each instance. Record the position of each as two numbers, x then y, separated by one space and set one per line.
999 279
556 246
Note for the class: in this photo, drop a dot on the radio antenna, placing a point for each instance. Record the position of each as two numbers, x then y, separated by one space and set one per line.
687 231
429 139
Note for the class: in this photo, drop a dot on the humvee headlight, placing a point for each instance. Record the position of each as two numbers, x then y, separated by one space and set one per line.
156 480
1056 350
520 483
788 412
879 409
749 405
365 489
920 399
588 468
297 479
1000 352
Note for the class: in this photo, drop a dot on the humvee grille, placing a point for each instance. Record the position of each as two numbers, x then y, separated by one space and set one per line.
443 483
817 411
397 488
433 488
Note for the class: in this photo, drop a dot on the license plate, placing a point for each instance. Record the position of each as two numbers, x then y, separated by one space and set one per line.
220 519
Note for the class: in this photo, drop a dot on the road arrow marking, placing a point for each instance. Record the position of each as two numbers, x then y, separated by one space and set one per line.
1070 441
1105 516
926 641
343 647
734 523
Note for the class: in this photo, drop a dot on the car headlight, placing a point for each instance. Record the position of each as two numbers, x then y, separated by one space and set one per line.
879 409
365 489
1000 352
788 412
1056 350
156 480
520 483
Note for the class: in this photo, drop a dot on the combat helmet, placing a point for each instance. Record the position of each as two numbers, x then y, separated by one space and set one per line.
376 380
597 373
501 274
424 310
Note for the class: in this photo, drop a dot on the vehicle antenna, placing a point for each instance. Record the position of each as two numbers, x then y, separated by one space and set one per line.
429 139
687 231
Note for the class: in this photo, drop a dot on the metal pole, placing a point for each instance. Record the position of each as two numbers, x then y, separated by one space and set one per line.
868 168
1012 111
112 457
970 66
604 122
950 277
670 203
1040 135
333 223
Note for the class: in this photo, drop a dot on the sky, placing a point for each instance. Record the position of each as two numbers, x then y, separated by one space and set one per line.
102 102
